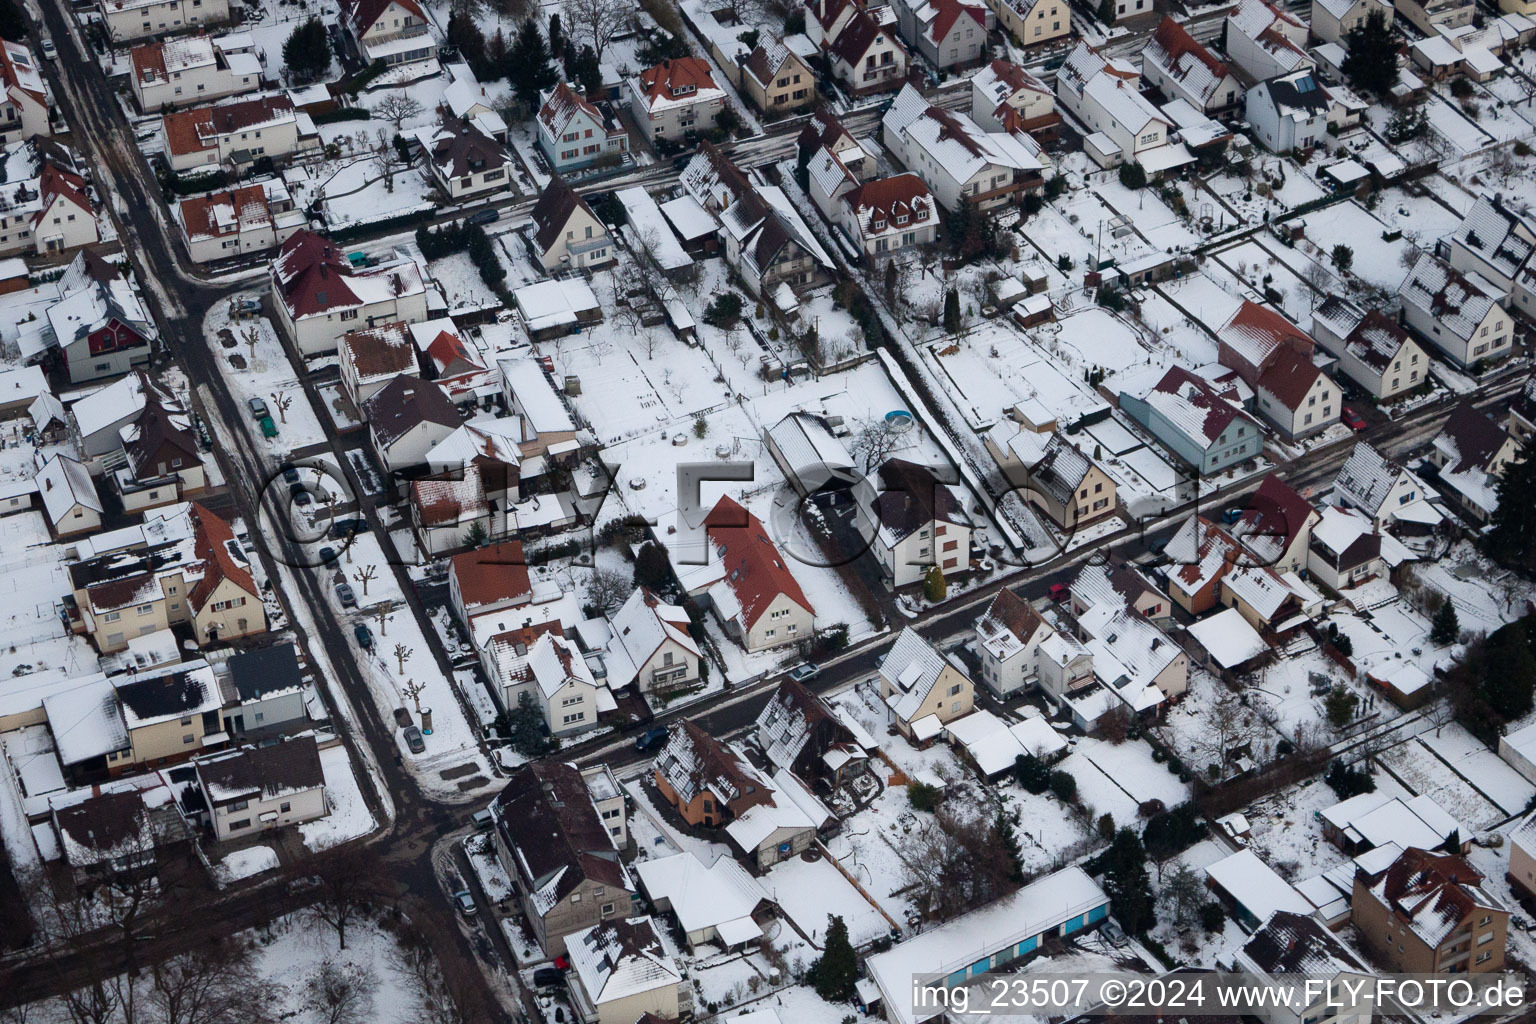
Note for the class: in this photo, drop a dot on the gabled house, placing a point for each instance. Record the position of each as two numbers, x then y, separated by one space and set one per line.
553 671
824 131
1200 553
1290 944
1373 350
1430 15
923 689
406 418
1265 41
649 644
371 358
451 510
1196 421
865 54
1521 421
879 217
1055 477
171 712
99 324
566 233
1018 650
128 831
1383 490
959 161
1276 526
799 733
44 207
265 687
576 133
255 789
1494 242
550 840
947 32
1032 22
1288 112
393 31
1430 913
1460 316
1332 20
127 20
748 583
1345 549
170 73
1007 98
1182 68
1274 357
237 134
1470 453
26 109
488 579
916 522
161 460
708 782
468 100
623 974
1137 666
464 162
1104 93
69 497
239 222
776 79
319 295
675 98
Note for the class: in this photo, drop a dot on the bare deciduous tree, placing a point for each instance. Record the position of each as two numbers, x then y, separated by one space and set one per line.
401 653
398 108
607 589
342 993
955 864
413 691
350 881
448 991
364 574
384 158
281 401
595 21
382 614
873 442
208 985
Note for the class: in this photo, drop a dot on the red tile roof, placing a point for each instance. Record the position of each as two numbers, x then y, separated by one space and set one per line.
1176 42
491 574
213 538
672 78
192 131
949 12
888 198
195 211
312 274
54 182
361 14
1289 376
755 570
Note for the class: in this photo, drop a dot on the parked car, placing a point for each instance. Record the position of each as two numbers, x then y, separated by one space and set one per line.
346 595
258 408
488 215
546 977
268 426
482 819
247 305
1114 933
1232 515
804 672
327 555
343 529
465 902
49 51
651 739
1058 592
300 494
1352 419
290 473
364 636
413 738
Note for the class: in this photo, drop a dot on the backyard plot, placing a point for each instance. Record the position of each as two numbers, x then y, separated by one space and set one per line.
1417 768
809 890
1466 755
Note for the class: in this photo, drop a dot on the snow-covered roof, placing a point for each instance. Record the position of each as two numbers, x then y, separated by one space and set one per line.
64 483
1368 477
1254 885
650 228
1376 819
952 140
702 896
548 304
1228 638
86 721
639 629
995 745
535 396
620 959
1497 234
1459 304
912 667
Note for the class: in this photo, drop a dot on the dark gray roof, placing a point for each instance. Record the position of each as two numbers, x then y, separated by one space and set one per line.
292 766
265 670
1298 92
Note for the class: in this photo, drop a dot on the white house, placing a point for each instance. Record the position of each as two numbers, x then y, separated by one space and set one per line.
1105 95
676 97
320 296
1266 41
1288 112
174 72
139 19
1345 548
1274 357
237 134
566 233
464 162
865 54
1333 19
650 644
255 789
748 583
25 109
947 32
240 222
393 31
1460 316
406 418
47 208
1018 649
1383 489
554 672
575 133
1494 243
1373 350
916 523
879 217
959 161
1007 98
1182 68
69 496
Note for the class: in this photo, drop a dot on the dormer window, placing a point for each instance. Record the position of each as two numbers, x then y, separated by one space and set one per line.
901 218
879 223
922 213
682 90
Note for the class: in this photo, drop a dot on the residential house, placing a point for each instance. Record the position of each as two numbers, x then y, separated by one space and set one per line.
1345 549
1019 650
1203 426
748 583
958 160
69 497
371 358
623 974
1384 490
916 523
566 233
170 73
550 840
320 296
554 673
406 418
26 109
255 789
947 32
1032 22
1470 453
1494 243
1332 20
1373 350
44 207
766 240
923 689
1274 357
1181 68
1521 422
1119 585
575 133
800 733
1104 93
1289 112
170 712
675 98
1056 478
824 131
465 163
239 222
1137 665
719 904
264 690
866 56
127 20
451 510
236 134
98 418
467 100
1007 98
1460 316
1429 15
1276 526
1266 41
488 579
161 462
185 567
1430 913
393 31
1290 944
99 325
1522 858
1200 553
880 216
776 79
123 831
650 644
708 783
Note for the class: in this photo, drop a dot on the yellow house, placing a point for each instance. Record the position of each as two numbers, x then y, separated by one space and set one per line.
1054 477
1033 21
776 79
171 713
924 690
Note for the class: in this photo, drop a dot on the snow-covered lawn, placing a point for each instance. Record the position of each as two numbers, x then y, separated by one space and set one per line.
263 371
808 891
244 863
349 816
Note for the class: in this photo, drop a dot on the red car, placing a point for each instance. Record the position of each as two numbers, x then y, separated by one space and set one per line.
1351 419
1058 592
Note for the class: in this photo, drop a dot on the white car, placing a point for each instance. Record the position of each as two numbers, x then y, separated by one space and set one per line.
45 44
